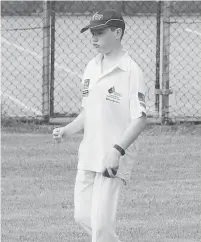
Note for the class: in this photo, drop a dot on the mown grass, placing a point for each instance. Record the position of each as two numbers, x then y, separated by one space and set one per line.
161 202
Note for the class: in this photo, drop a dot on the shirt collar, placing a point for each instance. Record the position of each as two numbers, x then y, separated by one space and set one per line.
123 63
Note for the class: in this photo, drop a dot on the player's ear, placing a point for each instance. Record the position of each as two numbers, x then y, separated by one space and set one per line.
118 33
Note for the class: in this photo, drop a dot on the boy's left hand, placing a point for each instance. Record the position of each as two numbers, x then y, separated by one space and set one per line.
112 161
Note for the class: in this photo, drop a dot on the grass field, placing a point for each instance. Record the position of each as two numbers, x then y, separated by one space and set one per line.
160 204
22 69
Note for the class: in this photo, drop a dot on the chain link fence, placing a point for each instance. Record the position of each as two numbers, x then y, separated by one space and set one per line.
185 61
44 55
21 58
75 49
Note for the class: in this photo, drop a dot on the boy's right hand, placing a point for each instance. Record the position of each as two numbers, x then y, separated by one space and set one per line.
58 134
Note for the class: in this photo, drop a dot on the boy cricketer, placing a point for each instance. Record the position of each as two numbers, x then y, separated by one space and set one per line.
113 116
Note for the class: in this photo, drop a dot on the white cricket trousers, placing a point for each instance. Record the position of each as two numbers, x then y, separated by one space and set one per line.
95 200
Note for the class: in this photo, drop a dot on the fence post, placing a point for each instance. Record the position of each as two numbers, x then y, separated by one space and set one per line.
165 61
46 60
158 53
52 58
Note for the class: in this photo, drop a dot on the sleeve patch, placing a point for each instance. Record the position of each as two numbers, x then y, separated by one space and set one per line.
144 114
143 104
86 83
85 93
141 97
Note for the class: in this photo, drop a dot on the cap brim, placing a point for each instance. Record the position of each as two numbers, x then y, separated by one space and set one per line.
94 27
85 28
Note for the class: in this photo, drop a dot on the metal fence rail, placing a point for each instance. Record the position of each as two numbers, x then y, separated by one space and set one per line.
44 55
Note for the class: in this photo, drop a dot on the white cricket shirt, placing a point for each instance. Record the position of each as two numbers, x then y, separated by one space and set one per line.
110 100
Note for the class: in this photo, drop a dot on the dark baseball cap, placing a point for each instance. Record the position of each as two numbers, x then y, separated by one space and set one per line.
104 19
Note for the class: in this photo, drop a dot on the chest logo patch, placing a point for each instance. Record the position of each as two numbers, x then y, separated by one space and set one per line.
113 96
111 90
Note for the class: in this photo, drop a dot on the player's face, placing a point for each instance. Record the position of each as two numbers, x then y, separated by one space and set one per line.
104 40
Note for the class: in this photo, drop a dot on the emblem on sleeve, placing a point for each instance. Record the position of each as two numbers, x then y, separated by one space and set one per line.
141 97
85 91
86 83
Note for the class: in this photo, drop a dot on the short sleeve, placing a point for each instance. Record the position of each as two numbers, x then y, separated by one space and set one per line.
137 94
85 86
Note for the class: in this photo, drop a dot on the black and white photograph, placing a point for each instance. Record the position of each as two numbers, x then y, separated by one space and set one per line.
101 121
